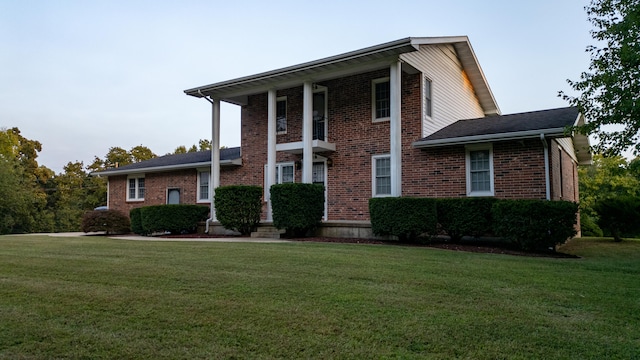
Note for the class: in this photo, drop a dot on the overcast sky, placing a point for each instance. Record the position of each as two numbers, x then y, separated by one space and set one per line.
83 76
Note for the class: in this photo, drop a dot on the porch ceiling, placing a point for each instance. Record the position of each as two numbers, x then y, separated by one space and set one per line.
368 59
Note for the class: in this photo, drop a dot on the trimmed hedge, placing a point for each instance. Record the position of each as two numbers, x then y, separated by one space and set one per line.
238 207
404 217
459 217
109 221
172 218
619 216
534 224
297 208
135 215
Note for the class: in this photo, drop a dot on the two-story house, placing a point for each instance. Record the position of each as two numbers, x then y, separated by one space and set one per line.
412 117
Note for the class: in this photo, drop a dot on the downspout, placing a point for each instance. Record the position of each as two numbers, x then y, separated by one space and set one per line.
210 219
546 166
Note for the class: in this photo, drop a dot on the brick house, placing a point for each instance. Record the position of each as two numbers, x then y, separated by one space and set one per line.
413 117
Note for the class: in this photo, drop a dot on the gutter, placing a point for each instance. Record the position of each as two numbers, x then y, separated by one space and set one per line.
463 140
164 168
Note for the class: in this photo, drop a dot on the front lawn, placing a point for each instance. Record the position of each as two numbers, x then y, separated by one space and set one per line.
94 297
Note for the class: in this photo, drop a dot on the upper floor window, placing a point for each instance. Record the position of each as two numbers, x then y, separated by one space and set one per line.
135 188
204 178
381 175
427 98
479 164
281 115
381 99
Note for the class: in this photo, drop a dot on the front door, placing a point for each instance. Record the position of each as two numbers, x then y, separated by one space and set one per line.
319 176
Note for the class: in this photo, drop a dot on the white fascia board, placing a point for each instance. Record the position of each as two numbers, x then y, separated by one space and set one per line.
529 134
164 168
399 46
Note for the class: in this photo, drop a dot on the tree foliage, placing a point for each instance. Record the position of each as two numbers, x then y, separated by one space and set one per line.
607 177
608 91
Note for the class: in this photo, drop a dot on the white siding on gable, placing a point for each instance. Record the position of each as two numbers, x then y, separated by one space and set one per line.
567 145
453 97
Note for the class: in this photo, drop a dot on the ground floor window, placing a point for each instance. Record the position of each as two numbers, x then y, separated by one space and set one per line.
284 174
135 188
479 169
381 175
204 178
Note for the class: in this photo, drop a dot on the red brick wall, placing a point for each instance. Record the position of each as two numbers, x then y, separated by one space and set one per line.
564 174
156 186
439 172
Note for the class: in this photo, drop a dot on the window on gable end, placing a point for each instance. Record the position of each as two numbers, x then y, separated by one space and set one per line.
381 99
479 169
427 105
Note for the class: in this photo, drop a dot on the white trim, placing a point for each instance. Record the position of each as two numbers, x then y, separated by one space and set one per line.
374 159
374 82
516 135
286 113
199 198
468 150
137 188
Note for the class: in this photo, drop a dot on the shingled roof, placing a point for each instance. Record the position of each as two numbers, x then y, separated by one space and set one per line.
552 123
229 156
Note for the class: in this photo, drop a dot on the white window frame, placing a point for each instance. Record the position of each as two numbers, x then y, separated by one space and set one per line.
468 150
281 99
199 198
374 188
279 167
374 82
137 196
427 106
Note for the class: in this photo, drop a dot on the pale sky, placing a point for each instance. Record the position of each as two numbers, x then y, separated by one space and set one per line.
82 76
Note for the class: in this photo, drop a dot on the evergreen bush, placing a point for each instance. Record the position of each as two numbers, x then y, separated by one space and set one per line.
135 215
297 208
175 219
460 217
404 217
534 224
238 207
109 221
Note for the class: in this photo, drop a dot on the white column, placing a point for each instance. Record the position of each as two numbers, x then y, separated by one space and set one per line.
307 133
215 154
271 150
395 82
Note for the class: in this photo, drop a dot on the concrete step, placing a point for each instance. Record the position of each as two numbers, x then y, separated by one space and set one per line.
269 232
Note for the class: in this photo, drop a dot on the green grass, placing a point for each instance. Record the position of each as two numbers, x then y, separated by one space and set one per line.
94 297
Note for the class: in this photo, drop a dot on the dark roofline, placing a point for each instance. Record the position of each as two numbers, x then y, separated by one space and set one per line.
172 162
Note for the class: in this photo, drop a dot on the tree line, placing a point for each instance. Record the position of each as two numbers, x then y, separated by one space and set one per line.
33 198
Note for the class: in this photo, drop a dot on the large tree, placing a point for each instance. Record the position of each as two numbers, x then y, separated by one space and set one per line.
608 91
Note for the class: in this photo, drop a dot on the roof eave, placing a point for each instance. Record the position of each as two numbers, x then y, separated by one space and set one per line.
116 171
517 135
399 46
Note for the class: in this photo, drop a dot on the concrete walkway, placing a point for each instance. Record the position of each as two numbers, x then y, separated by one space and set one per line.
155 238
